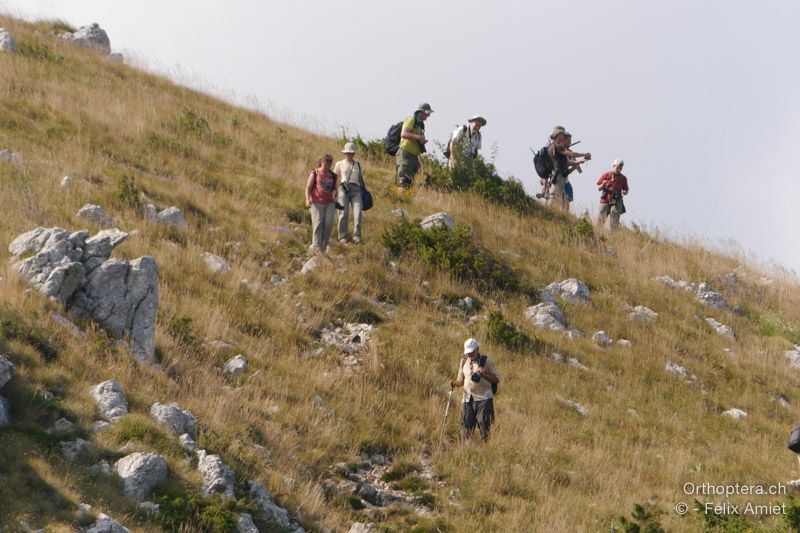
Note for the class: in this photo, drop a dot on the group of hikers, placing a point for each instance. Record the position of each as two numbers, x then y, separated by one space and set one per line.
341 186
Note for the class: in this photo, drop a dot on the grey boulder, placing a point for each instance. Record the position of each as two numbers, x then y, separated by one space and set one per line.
96 215
217 476
74 449
236 365
546 315
245 524
171 216
92 37
5 412
105 524
720 328
140 472
11 157
215 263
570 290
176 419
260 495
6 370
438 219
110 400
7 42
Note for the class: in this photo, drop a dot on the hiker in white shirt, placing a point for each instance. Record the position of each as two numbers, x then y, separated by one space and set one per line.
466 141
349 194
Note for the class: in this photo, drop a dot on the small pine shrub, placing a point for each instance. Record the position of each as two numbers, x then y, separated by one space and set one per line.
644 519
509 335
38 51
179 511
191 122
453 251
792 515
127 192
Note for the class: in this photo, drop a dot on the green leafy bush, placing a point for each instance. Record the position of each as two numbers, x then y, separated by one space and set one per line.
453 251
192 512
127 192
38 51
580 232
509 335
643 520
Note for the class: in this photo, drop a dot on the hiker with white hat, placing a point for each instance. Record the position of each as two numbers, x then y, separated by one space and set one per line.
479 377
412 145
560 155
349 194
465 142
613 185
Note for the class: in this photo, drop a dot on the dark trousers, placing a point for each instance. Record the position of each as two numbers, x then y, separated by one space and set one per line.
477 413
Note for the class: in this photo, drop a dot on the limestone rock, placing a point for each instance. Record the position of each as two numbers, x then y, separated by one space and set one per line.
74 449
351 339
172 216
722 329
245 524
96 215
624 342
123 297
110 399
65 182
187 442
277 280
236 365
399 212
570 290
140 472
260 495
794 357
674 368
311 264
583 411
703 291
11 157
7 42
92 37
149 507
601 338
359 527
174 418
62 425
215 263
438 219
105 524
217 476
546 316
6 370
63 321
5 412
736 414
643 314
117 57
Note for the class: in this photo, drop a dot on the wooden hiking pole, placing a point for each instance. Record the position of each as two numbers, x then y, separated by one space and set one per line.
444 422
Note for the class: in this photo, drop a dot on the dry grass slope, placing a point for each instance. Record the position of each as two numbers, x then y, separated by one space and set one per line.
129 138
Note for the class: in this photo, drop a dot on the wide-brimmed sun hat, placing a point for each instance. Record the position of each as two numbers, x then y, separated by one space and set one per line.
425 107
349 148
557 130
479 119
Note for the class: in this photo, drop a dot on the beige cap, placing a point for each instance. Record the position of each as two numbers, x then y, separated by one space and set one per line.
349 148
477 118
425 107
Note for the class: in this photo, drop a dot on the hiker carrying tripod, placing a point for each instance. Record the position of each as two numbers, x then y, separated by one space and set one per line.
479 377
554 163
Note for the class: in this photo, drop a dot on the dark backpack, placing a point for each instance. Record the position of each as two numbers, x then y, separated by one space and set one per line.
542 163
794 440
447 148
392 141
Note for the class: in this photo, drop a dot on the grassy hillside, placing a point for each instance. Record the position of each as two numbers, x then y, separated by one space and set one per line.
128 138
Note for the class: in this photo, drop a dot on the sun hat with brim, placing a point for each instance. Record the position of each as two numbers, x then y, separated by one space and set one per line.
470 345
557 130
479 119
349 148
425 107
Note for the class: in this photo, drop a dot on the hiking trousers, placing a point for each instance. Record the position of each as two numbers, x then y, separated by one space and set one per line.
477 413
350 200
407 167
609 209
557 195
322 217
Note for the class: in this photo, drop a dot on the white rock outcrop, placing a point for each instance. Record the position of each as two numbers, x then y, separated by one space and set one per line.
720 328
570 290
7 42
436 219
793 356
736 414
702 291
245 524
11 157
171 216
583 411
92 37
260 495
76 271
106 524
215 263
110 400
676 369
546 315
601 338
643 314
236 365
6 370
217 476
140 473
311 264
350 339
174 418
73 450
95 215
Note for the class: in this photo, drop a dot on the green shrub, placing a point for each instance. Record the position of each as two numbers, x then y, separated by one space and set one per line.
191 122
509 335
400 470
643 520
792 515
372 150
179 511
127 192
481 177
453 251
38 51
580 232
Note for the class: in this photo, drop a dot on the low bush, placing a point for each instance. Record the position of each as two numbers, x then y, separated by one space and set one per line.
509 335
453 251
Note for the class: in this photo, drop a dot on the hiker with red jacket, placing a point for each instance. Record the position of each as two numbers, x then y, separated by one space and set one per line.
613 185
320 200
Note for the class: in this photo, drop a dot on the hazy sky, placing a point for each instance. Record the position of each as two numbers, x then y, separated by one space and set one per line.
700 98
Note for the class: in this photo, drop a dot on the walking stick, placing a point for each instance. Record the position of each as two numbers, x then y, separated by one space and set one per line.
444 422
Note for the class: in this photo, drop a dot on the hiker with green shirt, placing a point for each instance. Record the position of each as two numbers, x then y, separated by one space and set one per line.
412 145
479 377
